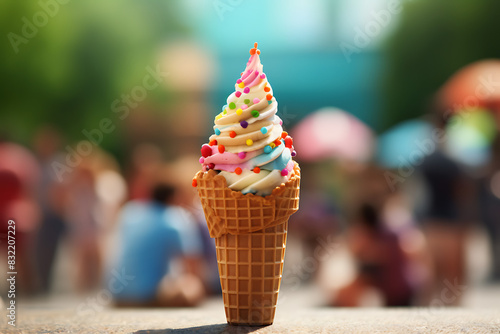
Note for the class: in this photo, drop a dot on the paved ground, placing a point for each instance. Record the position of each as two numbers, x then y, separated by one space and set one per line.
319 320
298 312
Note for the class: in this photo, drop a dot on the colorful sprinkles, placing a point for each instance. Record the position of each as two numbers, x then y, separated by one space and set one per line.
206 151
254 50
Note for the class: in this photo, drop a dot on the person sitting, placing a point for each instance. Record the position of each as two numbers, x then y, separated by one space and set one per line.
152 234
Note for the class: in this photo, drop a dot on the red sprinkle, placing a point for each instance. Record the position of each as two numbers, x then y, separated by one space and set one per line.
269 97
194 183
256 170
238 170
211 165
288 142
221 148
206 150
267 89
284 134
277 142
284 172
213 142
232 134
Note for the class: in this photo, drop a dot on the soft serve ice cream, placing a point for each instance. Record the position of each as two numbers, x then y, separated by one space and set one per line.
249 146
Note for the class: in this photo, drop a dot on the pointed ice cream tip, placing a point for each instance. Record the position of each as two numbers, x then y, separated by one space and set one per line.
254 49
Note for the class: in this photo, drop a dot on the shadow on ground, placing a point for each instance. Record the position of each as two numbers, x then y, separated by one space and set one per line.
215 329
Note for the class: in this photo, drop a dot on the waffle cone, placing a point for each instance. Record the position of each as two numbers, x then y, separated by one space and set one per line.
250 238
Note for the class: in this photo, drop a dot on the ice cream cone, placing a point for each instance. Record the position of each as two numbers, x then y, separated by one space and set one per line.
250 236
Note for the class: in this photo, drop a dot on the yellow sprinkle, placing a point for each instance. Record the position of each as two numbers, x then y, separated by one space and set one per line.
273 145
219 116
239 111
249 142
241 85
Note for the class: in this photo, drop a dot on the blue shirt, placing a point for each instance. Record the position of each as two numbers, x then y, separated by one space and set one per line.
148 242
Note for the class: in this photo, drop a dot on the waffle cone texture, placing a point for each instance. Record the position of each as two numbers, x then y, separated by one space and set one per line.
250 238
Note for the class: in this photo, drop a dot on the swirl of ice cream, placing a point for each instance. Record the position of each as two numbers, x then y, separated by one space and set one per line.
249 147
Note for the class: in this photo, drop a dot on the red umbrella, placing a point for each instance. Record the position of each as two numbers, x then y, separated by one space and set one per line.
476 85
332 133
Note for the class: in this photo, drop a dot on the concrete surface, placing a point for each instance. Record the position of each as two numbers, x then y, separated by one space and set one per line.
212 320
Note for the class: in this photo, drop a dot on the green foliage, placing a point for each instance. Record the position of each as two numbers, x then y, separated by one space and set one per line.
434 40
79 62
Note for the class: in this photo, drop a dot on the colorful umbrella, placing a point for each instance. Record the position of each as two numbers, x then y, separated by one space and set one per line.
402 144
476 85
332 133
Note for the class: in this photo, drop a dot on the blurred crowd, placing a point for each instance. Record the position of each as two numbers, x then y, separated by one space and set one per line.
139 223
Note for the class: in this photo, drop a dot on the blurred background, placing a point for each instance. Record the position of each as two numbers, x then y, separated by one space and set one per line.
394 107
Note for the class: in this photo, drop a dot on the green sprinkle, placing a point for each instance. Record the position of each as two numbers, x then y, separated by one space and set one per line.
255 113
247 101
232 105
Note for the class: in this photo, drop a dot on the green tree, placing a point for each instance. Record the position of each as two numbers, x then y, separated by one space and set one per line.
86 55
434 40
